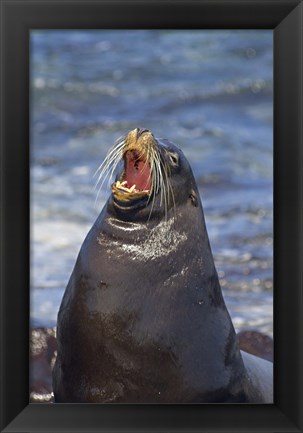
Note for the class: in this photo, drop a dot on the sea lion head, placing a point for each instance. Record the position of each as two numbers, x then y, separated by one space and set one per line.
155 176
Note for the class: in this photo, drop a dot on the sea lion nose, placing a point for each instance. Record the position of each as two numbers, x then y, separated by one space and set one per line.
140 131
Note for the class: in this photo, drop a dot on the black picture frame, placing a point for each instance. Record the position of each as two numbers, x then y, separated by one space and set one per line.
285 18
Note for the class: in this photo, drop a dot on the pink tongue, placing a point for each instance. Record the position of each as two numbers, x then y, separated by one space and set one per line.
137 172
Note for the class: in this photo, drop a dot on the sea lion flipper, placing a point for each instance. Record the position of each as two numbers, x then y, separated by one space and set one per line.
260 376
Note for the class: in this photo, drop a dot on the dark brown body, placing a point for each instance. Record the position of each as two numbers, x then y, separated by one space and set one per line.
143 319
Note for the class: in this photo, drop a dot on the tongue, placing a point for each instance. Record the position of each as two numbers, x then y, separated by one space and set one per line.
137 171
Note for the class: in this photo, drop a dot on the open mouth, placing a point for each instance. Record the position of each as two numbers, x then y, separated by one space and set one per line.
135 181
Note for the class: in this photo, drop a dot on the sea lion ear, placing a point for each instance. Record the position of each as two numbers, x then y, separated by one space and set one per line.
193 197
173 158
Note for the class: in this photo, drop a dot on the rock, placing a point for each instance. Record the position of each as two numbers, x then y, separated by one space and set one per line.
43 347
256 343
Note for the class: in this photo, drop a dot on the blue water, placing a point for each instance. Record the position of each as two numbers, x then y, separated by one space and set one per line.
210 92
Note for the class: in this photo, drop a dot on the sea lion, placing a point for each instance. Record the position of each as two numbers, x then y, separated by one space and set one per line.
143 319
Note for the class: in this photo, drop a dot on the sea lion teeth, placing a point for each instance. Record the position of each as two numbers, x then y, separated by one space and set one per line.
124 188
121 187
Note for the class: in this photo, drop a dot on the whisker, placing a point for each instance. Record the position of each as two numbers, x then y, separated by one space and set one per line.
165 191
156 174
159 176
110 158
170 188
113 150
109 165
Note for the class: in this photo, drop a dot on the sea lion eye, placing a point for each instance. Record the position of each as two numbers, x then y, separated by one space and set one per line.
173 158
